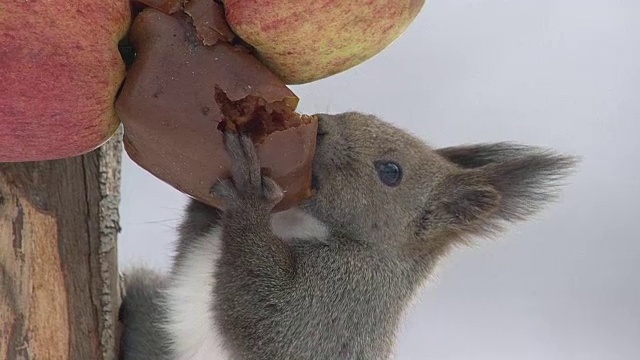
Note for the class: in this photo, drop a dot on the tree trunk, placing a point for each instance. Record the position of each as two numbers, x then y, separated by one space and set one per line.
59 283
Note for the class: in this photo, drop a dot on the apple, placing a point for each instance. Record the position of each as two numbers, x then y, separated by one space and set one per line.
60 72
307 40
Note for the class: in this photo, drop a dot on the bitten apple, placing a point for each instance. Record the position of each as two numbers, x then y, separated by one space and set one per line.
60 70
306 40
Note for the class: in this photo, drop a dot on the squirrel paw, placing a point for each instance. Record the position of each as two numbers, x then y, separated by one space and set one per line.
247 184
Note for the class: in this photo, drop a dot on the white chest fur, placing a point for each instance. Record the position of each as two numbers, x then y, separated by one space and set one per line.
191 322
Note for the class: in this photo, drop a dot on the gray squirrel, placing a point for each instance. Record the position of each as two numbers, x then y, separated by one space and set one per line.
329 279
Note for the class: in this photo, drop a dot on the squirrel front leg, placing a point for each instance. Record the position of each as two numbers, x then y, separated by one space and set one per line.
249 244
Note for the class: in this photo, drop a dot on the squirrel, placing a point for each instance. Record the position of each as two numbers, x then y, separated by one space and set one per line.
331 278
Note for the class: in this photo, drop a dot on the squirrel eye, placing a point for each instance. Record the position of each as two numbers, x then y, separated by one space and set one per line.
389 172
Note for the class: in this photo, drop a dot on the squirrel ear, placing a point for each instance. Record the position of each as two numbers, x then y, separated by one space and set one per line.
499 183
494 184
527 181
460 203
477 155
469 204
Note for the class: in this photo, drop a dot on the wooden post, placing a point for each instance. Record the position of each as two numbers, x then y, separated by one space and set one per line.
59 283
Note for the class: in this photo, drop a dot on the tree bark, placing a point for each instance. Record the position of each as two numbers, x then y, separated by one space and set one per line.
59 282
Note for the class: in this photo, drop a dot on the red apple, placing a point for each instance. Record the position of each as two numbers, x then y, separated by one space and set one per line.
306 40
60 72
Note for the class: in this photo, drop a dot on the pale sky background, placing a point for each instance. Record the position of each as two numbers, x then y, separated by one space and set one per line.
558 73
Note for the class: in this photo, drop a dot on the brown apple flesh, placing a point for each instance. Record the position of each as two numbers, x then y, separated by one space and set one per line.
60 72
189 81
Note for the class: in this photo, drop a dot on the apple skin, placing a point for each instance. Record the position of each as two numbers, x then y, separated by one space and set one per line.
60 72
307 40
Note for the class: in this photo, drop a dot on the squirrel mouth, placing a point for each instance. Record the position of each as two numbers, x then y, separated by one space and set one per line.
320 134
315 182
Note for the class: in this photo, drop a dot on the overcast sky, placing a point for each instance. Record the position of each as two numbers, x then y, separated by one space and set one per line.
558 73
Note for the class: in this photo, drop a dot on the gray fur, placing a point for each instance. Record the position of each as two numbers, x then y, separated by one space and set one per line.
198 220
343 298
141 313
142 309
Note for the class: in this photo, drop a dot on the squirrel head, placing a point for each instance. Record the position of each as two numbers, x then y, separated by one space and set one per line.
379 184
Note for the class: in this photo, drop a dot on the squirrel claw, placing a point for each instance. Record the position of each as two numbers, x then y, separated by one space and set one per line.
248 184
271 191
224 189
245 166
